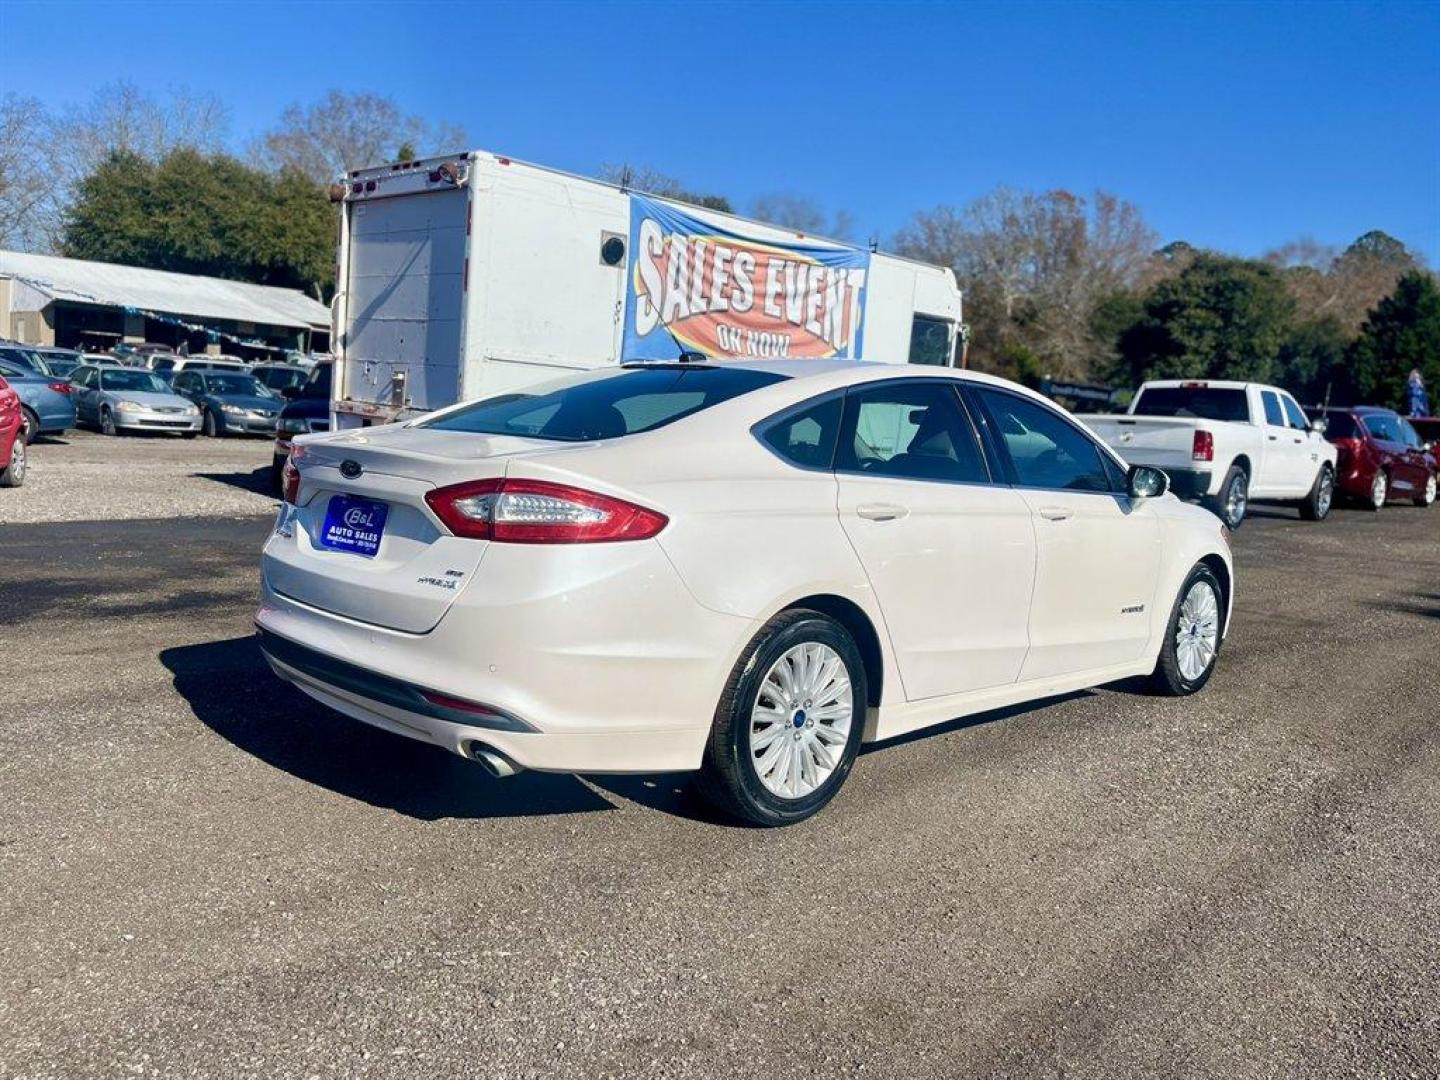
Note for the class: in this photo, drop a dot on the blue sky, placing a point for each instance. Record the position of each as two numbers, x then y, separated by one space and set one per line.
1236 126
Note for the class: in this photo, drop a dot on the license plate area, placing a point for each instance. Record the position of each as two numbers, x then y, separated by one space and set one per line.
354 525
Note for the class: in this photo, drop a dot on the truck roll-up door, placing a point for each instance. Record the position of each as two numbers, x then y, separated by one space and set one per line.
406 293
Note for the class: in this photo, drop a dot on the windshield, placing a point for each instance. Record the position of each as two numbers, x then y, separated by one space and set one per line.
237 385
134 379
1199 402
605 405
282 378
318 385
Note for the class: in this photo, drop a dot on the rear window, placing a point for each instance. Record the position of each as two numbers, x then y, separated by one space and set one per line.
1200 402
1339 425
605 405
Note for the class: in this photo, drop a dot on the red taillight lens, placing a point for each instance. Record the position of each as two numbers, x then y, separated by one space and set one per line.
290 477
1203 448
60 387
537 512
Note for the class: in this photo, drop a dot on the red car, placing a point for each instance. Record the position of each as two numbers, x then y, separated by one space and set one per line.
1382 457
12 447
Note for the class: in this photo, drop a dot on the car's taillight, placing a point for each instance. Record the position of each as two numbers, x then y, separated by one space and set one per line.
290 477
538 512
60 387
1203 449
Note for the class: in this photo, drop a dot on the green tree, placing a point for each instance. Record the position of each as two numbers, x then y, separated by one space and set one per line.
204 214
1311 364
1401 334
1218 318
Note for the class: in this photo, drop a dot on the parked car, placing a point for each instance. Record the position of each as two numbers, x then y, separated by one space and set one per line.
281 377
204 363
60 361
117 399
45 405
1225 444
13 352
13 457
742 569
1428 428
1381 456
230 402
307 411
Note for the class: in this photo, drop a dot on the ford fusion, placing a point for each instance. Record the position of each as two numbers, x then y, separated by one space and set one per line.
741 569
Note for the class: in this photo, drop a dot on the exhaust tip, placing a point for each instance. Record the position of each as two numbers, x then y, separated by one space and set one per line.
492 760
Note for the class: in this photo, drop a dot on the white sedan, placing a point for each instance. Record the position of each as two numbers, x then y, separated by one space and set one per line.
744 569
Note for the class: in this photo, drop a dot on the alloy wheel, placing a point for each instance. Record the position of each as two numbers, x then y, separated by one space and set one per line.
1326 493
801 720
1430 489
19 460
1378 489
27 427
107 422
1197 632
1236 499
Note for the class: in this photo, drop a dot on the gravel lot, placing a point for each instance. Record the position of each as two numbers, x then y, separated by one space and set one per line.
206 874
83 476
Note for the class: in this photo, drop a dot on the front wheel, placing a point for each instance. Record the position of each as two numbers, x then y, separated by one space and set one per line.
1427 497
1192 642
107 423
788 726
1234 498
209 426
1322 494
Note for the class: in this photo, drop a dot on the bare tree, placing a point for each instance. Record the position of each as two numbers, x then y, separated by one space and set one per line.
1328 283
1035 267
344 131
803 214
654 182
24 185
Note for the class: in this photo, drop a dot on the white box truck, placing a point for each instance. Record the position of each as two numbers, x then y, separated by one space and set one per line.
475 274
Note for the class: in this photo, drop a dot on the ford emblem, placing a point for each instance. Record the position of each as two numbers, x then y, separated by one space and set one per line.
350 469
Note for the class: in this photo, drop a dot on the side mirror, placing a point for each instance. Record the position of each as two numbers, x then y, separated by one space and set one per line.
1148 482
1319 424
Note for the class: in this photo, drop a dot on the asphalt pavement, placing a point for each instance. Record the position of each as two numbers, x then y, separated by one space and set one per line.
203 873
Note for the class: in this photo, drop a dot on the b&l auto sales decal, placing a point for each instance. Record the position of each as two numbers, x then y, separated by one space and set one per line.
695 285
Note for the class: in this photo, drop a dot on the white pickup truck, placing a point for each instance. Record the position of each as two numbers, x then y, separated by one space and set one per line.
1226 443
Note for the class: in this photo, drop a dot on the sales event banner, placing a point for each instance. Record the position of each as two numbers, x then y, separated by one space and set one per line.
697 286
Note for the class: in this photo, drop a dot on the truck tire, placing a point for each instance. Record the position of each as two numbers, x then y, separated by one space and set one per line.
1233 499
1316 505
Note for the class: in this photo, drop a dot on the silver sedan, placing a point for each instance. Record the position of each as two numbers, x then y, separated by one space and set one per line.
116 399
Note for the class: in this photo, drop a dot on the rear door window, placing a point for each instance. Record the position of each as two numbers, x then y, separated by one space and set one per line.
914 430
605 405
1274 415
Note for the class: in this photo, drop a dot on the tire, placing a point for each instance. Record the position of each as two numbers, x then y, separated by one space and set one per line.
1175 673
13 475
209 426
1233 499
1427 496
1379 491
107 423
29 425
807 645
1316 505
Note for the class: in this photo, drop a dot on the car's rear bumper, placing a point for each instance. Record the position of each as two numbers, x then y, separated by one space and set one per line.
612 668
1190 483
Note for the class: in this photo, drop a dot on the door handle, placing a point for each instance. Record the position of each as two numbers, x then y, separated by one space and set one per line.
1299 441
1056 513
881 511
1274 438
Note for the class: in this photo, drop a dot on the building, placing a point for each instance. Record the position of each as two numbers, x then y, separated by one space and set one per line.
47 300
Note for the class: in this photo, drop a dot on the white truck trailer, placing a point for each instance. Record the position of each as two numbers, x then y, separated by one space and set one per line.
475 274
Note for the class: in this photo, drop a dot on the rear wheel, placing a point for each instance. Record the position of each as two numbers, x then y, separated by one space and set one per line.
1192 643
1233 499
1427 496
788 726
29 425
1379 490
107 423
13 475
1317 504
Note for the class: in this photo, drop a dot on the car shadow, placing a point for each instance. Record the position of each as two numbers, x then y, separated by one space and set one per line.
256 480
231 690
